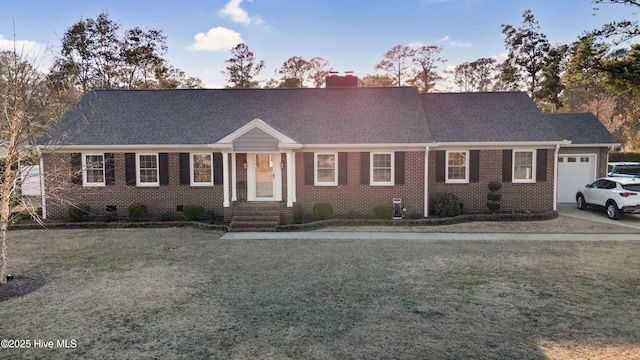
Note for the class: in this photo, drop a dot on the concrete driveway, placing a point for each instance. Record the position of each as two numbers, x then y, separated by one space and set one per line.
594 214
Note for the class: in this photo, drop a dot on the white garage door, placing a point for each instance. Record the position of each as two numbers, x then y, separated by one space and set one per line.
574 171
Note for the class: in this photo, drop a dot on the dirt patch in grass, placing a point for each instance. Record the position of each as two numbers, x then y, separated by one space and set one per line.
19 286
185 293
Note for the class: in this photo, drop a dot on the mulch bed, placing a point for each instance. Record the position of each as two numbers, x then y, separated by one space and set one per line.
20 286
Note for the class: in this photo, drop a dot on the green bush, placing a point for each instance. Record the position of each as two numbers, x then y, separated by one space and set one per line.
298 214
138 211
446 204
322 211
493 197
494 186
79 212
351 215
624 156
193 212
493 206
383 211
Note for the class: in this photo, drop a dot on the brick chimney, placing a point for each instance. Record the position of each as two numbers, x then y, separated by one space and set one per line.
336 81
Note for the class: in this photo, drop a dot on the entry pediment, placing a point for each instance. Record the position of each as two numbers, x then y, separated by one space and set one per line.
256 136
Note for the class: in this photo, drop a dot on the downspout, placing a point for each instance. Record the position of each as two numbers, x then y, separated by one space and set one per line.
426 181
555 178
43 198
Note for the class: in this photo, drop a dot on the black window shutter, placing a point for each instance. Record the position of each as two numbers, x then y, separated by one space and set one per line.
440 165
474 166
343 175
541 165
507 165
163 168
130 168
218 168
109 169
76 168
308 168
185 169
399 168
364 168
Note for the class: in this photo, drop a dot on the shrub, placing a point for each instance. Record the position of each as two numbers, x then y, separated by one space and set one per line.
351 215
493 206
383 211
446 204
493 197
494 186
193 212
322 211
298 214
79 212
624 156
138 211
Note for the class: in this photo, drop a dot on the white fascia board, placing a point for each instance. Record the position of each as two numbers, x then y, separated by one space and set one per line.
501 145
367 147
128 148
593 145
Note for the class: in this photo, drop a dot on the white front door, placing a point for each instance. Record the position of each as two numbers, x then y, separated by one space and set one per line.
263 178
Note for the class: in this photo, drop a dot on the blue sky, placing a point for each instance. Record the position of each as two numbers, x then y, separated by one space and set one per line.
351 34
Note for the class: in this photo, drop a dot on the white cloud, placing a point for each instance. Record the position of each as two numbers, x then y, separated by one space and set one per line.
238 15
446 38
26 48
460 44
217 39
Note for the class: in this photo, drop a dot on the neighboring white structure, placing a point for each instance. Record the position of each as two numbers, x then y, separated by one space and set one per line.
31 180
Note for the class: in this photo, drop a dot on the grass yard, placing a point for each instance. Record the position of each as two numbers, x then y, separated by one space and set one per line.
183 293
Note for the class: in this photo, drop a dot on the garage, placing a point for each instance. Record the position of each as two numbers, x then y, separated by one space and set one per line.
574 171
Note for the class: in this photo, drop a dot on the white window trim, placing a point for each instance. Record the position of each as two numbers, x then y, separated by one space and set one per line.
315 170
191 169
140 183
533 167
466 168
382 183
85 182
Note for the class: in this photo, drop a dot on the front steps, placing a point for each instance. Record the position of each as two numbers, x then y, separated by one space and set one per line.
255 217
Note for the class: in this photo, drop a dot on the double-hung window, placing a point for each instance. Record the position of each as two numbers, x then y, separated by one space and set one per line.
147 170
524 163
202 169
326 169
382 168
93 170
457 167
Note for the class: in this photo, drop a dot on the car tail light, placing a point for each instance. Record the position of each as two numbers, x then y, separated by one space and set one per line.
627 194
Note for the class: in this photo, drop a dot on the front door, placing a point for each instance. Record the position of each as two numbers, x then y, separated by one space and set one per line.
263 179
264 176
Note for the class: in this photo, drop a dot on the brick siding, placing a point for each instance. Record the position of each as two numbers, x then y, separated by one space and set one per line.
351 197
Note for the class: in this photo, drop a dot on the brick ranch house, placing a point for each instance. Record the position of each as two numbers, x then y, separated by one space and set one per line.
349 146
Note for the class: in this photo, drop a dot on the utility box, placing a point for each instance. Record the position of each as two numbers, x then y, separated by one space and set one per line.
398 209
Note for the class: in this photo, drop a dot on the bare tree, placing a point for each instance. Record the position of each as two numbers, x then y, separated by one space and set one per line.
397 63
426 60
28 106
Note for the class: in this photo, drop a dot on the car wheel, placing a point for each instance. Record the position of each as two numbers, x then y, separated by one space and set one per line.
580 200
612 210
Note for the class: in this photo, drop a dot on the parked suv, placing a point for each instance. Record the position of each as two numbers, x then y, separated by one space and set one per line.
617 195
623 169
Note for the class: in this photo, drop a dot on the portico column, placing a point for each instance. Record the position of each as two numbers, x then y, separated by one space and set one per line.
426 181
234 191
225 174
291 183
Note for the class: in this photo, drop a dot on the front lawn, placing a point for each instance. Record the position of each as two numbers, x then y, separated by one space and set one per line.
182 293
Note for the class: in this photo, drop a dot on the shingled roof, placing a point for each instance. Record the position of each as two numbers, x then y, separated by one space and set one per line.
317 116
308 116
581 129
486 117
